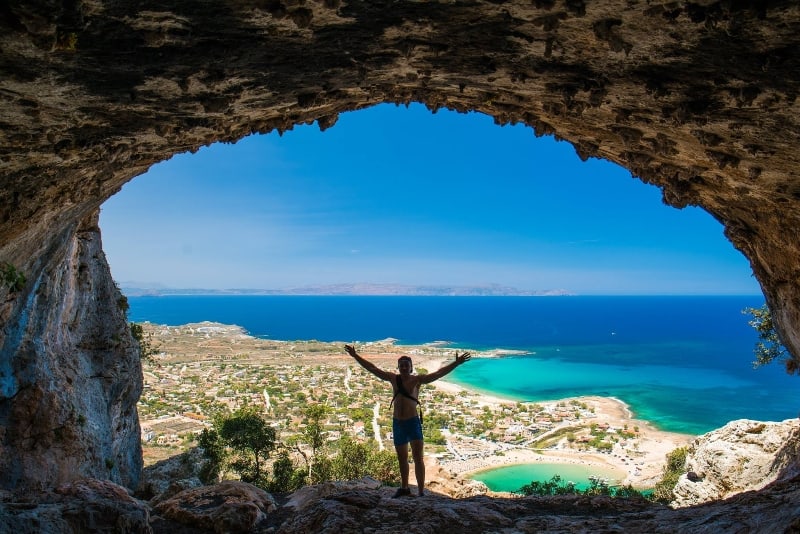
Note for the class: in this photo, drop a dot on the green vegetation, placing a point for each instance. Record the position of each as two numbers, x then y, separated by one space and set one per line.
313 435
145 341
242 443
676 461
557 486
66 41
769 347
286 477
122 302
321 413
11 277
555 437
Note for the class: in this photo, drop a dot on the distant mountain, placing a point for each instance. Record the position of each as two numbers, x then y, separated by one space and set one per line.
135 290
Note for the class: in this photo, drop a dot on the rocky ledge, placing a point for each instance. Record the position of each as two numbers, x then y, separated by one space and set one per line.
762 497
363 506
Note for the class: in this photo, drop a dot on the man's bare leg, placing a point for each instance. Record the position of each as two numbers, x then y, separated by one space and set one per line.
402 458
419 464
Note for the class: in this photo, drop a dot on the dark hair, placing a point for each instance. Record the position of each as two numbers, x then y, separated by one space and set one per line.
401 358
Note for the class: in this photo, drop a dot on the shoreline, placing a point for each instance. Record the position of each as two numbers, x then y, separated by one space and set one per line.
639 461
638 458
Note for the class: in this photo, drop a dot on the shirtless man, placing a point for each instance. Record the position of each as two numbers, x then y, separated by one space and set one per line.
406 422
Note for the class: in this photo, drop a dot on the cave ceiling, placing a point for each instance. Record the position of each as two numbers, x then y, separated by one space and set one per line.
698 98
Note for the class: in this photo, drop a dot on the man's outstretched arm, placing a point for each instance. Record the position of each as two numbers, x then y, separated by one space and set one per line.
368 365
436 375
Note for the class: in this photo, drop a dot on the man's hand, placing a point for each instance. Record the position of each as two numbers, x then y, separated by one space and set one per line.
462 358
351 350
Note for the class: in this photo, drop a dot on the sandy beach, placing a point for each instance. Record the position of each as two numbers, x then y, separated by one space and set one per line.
637 461
559 429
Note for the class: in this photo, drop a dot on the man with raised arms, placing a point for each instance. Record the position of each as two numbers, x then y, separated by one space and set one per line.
407 422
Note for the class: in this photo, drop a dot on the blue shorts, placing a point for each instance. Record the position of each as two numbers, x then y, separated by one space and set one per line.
406 430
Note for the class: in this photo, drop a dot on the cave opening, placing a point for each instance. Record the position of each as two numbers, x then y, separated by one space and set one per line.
308 182
700 101
402 196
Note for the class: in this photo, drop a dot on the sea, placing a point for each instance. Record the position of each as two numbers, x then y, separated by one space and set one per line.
682 363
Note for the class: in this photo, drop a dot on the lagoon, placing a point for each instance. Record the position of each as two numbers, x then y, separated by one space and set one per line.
511 478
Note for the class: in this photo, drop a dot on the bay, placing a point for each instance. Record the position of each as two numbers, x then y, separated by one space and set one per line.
681 363
513 477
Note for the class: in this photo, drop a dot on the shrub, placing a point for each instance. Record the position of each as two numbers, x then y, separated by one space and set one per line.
676 462
286 477
557 486
11 277
769 347
146 350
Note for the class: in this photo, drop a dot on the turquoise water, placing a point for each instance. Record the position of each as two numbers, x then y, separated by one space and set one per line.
513 477
681 398
682 363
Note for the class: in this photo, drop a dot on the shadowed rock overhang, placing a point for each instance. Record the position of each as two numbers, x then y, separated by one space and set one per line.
699 98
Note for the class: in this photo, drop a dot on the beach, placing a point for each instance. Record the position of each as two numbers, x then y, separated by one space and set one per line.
637 461
215 359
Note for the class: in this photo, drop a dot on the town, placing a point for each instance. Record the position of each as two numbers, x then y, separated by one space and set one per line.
198 370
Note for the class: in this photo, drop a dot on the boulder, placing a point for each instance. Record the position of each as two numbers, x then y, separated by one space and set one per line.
743 455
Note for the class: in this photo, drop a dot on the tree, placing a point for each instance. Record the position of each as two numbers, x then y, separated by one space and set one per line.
242 441
352 462
555 486
214 452
314 436
434 436
252 439
383 466
285 476
769 347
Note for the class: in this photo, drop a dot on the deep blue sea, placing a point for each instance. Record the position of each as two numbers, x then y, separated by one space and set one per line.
682 363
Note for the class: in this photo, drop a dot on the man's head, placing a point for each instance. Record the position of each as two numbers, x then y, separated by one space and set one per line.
404 364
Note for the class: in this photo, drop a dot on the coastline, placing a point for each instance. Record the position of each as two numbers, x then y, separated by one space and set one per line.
200 348
638 461
639 464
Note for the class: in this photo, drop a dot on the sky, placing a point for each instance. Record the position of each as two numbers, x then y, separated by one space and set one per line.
400 195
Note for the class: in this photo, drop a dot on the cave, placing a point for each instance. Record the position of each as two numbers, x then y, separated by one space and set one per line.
697 98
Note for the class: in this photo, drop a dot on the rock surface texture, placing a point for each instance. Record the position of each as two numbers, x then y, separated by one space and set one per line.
362 507
741 456
70 374
699 98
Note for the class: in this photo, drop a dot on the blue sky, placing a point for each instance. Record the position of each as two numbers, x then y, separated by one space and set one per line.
401 195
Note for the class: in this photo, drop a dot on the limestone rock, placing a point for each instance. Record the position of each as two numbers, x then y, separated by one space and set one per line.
442 482
227 507
70 374
173 475
375 511
309 495
743 455
359 506
89 505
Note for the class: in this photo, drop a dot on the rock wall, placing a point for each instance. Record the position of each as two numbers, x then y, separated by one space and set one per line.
741 456
698 98
70 374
